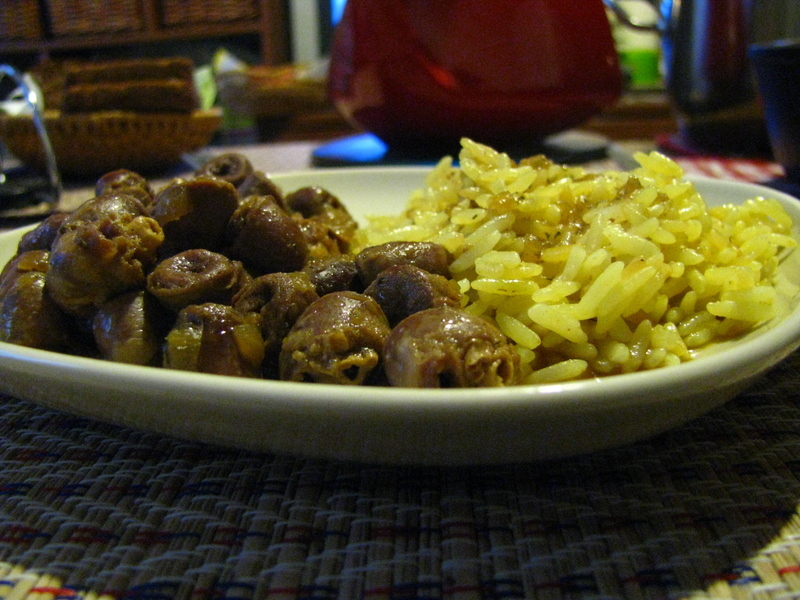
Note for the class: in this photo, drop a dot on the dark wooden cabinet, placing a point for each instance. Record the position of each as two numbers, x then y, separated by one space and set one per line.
35 29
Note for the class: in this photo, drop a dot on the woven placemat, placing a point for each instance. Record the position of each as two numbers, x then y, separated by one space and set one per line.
708 510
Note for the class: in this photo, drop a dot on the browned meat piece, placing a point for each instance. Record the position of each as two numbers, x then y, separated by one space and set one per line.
28 316
23 262
333 274
194 213
448 348
338 339
41 237
130 329
434 258
402 290
96 259
107 207
316 204
123 181
258 184
265 238
322 241
195 277
278 299
232 167
214 338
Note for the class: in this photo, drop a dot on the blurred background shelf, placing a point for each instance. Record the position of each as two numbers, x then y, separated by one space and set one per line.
32 30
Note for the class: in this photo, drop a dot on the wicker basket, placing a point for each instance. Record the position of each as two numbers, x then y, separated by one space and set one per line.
20 20
93 144
179 12
81 17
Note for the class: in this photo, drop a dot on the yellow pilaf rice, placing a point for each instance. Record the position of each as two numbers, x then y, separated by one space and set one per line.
595 273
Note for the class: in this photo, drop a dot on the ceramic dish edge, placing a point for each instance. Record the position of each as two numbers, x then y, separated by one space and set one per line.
394 425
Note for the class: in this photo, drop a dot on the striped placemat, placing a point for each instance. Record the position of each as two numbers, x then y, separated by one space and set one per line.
708 510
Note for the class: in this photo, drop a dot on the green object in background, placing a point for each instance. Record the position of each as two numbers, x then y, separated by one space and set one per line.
639 49
236 127
642 66
206 86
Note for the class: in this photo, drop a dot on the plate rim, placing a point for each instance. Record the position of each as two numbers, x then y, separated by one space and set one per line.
739 363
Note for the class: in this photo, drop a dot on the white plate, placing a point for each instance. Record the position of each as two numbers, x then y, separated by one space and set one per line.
399 425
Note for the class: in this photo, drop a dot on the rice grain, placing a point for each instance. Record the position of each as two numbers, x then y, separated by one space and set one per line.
595 273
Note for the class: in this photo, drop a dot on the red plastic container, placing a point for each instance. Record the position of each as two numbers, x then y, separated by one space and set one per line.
421 71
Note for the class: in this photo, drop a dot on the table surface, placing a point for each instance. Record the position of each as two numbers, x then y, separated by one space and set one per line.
706 510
